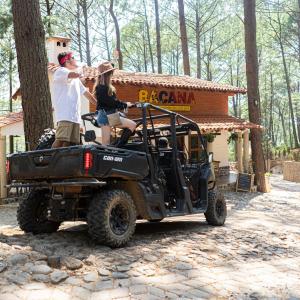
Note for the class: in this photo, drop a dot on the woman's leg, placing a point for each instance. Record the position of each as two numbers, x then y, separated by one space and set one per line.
105 135
129 127
127 123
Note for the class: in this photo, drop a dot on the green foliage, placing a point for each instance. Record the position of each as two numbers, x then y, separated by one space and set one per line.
210 137
5 17
221 48
232 138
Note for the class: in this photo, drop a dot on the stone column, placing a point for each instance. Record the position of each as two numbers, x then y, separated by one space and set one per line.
3 180
240 152
246 151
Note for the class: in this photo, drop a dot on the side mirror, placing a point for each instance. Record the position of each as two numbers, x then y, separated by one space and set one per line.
210 157
90 136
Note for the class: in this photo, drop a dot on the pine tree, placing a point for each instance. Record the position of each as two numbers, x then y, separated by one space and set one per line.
32 66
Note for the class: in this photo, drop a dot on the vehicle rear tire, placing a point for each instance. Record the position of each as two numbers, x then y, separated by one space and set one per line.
216 210
32 214
111 218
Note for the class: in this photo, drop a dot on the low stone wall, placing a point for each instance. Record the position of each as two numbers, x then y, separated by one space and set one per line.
291 171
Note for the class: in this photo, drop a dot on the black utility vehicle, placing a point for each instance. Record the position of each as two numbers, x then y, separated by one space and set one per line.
151 177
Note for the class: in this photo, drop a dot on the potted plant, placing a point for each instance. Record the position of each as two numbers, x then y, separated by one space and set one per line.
210 137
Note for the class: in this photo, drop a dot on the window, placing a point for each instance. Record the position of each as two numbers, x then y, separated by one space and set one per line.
64 45
195 148
58 43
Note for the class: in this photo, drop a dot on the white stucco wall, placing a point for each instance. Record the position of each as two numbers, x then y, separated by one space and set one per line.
13 129
220 149
53 49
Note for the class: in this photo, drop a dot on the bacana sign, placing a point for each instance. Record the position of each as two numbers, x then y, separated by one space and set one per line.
166 97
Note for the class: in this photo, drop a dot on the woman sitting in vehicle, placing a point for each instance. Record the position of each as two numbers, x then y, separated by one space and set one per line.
108 104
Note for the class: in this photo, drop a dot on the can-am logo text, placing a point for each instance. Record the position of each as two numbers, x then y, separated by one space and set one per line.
112 158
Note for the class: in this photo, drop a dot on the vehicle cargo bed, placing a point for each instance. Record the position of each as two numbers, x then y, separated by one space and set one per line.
70 162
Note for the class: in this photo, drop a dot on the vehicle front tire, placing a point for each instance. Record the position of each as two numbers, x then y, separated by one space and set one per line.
216 210
111 218
32 214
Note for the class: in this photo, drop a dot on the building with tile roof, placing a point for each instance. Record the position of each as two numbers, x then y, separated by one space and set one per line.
203 101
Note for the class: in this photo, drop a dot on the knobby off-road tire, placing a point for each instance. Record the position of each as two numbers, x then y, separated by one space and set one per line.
111 218
32 214
216 210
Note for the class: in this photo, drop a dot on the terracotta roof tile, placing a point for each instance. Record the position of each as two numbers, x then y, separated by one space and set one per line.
152 79
216 123
11 118
163 80
206 123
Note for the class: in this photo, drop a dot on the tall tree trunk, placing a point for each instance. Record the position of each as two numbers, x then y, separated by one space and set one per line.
299 31
158 39
290 129
184 40
253 93
32 66
145 52
238 98
10 80
288 86
298 113
118 35
84 7
234 102
48 9
208 68
106 38
198 45
271 126
79 31
148 37
281 115
177 61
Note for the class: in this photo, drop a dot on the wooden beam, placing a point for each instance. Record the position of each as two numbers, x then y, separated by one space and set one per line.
246 151
240 152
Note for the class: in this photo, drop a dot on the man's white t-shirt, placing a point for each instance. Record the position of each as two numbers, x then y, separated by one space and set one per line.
66 96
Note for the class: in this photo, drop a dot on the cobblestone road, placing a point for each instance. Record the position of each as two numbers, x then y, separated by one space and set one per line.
255 256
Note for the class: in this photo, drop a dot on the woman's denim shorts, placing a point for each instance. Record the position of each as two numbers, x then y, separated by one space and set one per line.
102 119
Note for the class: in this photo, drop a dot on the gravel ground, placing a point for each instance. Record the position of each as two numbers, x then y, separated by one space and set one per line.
256 255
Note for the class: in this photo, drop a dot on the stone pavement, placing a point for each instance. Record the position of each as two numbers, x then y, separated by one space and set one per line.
255 256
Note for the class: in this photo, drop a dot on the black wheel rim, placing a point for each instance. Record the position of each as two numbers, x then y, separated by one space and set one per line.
219 208
119 219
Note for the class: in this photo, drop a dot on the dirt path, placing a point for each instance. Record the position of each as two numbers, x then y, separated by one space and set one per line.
255 256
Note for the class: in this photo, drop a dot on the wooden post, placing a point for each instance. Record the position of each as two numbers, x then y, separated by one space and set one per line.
3 180
240 152
246 151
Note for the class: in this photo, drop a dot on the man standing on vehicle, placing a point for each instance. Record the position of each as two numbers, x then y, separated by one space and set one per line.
67 92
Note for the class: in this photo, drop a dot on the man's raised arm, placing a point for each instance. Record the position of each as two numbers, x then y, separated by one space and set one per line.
90 97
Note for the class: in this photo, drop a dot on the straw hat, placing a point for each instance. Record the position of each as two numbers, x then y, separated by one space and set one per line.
105 67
